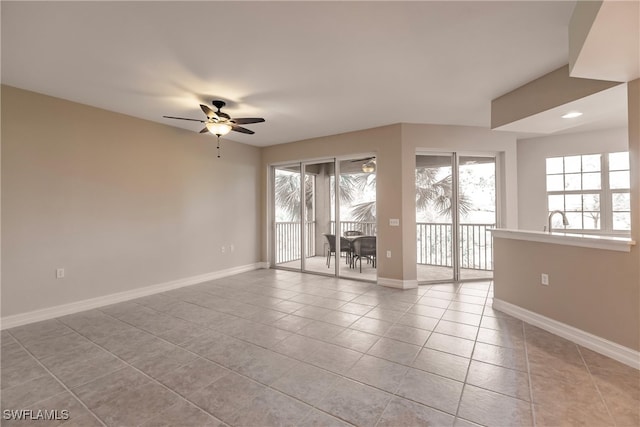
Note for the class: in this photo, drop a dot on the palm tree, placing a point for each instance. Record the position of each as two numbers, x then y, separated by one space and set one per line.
432 192
436 193
287 194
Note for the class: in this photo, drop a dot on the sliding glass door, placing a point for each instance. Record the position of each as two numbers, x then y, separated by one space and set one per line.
435 212
477 213
455 209
318 220
287 234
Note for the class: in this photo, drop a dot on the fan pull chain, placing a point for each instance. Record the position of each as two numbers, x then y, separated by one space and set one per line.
218 145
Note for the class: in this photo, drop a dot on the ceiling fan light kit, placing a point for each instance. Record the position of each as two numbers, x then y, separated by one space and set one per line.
219 123
370 166
218 129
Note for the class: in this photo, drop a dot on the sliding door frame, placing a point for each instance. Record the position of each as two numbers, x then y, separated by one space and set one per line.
456 250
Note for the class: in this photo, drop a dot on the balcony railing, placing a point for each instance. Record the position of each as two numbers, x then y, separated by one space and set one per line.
434 242
288 241
435 245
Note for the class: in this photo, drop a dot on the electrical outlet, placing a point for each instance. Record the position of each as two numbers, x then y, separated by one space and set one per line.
388 254
59 273
222 249
544 279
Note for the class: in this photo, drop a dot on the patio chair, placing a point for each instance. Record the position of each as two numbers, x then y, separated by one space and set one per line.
364 247
345 247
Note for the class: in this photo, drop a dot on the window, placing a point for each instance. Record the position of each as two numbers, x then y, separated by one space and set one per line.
592 190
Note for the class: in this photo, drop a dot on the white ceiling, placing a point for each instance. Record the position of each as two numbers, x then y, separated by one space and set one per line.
309 68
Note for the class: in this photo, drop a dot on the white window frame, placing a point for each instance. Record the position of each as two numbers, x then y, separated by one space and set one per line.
605 194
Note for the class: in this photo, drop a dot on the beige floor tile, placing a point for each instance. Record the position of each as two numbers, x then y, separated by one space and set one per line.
332 357
225 396
107 387
307 383
262 365
455 329
395 351
292 322
450 344
501 380
184 333
501 338
135 406
63 407
431 390
403 412
493 409
75 372
270 408
38 331
193 376
12 352
434 302
341 318
501 356
233 348
568 401
444 364
408 334
355 340
54 345
321 330
461 317
355 308
619 386
30 392
427 310
371 325
183 413
317 418
347 398
378 373
385 314
21 370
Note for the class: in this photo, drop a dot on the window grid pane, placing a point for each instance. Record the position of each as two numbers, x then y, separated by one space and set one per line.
575 185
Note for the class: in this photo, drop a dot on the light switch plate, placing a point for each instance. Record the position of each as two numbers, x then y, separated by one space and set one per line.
394 222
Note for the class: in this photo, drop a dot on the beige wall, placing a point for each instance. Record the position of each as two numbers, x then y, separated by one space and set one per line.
395 147
597 291
634 155
119 202
590 289
532 154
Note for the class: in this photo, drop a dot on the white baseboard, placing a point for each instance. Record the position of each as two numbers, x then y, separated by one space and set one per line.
600 345
88 304
397 283
263 264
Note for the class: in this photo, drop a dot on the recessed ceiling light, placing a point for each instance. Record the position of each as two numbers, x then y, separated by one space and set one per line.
572 115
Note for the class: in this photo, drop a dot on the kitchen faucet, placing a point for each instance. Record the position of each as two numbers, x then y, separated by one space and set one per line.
565 221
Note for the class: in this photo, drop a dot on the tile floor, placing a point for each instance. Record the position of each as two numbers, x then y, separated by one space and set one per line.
273 347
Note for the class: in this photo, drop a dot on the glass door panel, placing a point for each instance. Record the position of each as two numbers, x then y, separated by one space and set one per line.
357 232
287 196
477 213
435 217
319 242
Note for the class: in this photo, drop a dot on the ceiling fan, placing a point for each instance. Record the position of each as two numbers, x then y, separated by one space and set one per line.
219 123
